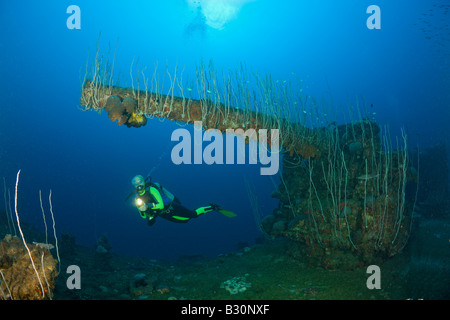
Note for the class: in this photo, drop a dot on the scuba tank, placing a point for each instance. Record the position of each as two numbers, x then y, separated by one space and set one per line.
166 195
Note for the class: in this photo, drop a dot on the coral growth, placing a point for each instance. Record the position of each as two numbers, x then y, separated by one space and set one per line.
236 285
348 207
136 120
18 279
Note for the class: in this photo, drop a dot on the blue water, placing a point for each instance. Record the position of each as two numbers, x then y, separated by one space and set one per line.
401 69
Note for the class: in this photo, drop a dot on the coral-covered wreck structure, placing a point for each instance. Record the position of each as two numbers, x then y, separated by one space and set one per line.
345 197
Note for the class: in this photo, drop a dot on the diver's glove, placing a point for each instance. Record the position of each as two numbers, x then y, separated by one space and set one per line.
151 220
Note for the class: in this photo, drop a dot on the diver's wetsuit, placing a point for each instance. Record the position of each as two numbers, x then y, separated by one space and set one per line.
173 211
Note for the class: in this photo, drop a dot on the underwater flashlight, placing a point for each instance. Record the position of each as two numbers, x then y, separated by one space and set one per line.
139 202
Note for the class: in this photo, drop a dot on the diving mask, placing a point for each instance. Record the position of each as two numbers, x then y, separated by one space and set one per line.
138 182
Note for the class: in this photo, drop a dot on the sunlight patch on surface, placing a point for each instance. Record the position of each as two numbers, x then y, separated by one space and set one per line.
218 13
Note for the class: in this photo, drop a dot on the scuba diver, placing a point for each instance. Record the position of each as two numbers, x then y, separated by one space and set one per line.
153 200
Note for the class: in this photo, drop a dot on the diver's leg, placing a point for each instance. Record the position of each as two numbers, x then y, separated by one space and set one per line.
181 212
176 200
176 219
178 213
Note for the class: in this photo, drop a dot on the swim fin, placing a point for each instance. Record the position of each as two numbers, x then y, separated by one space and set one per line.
227 213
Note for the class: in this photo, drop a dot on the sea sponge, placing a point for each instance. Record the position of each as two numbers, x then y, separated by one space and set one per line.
113 102
130 105
119 115
125 112
116 110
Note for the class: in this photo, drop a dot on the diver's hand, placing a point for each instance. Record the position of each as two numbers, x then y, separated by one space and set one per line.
151 220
